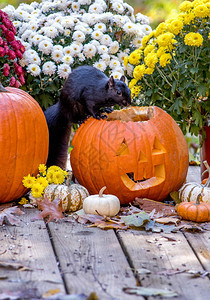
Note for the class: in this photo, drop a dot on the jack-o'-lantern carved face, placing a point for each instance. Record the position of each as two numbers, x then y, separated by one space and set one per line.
135 152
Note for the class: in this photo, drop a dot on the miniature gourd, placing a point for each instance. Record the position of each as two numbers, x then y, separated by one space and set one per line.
71 197
190 191
194 211
105 205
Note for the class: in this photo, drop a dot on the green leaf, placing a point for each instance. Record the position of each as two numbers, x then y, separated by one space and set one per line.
136 220
202 89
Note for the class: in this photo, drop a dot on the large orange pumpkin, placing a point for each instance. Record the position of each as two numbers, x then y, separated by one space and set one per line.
24 140
135 152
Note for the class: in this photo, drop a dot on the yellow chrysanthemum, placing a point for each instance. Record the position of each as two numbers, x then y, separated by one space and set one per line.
134 57
138 72
161 28
150 60
187 18
125 61
42 169
149 71
161 51
28 181
23 201
148 49
175 26
49 176
209 36
54 168
58 177
197 2
151 35
145 41
185 6
164 39
193 39
132 83
135 91
43 181
165 59
37 190
201 11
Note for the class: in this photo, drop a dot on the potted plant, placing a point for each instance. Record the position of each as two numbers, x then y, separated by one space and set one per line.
171 69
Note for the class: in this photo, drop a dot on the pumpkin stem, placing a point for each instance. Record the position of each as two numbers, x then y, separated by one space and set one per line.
198 199
101 191
2 89
207 184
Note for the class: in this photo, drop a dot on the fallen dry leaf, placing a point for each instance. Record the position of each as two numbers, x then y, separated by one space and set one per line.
12 265
149 291
136 220
7 215
149 205
51 210
168 220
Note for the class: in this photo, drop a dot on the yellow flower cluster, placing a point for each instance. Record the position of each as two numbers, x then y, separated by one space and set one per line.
159 47
46 176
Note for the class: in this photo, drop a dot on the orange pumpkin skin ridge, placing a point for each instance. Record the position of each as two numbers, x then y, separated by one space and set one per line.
194 212
105 152
24 141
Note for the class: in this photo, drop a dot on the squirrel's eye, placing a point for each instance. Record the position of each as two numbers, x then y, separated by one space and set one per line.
119 93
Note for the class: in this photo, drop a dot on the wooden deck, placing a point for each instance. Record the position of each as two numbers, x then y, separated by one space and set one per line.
67 258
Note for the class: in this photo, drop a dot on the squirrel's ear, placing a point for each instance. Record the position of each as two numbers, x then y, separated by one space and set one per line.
122 78
111 82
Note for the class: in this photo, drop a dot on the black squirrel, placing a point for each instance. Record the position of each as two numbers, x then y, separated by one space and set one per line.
86 91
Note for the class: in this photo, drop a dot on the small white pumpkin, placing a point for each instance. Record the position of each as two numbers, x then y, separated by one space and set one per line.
190 191
104 205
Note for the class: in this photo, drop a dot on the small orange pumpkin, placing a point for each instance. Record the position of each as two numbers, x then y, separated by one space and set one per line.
194 211
24 140
134 152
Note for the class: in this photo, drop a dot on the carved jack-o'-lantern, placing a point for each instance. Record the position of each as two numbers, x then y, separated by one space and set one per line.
134 152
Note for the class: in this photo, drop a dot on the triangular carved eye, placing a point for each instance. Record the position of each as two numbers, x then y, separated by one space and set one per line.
158 147
142 157
123 149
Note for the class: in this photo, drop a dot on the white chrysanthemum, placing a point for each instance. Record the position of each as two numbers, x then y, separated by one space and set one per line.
23 62
137 42
130 28
51 32
37 12
76 47
100 65
26 45
129 8
34 69
34 59
47 6
100 26
120 20
114 63
31 37
67 59
129 69
36 39
30 52
90 19
58 19
118 7
45 47
69 51
64 70
58 27
89 50
26 34
17 24
96 8
49 68
106 58
116 75
67 22
106 40
75 6
10 10
57 47
33 25
96 34
102 49
146 29
114 47
57 55
106 17
78 36
84 2
21 14
142 19
95 43
67 32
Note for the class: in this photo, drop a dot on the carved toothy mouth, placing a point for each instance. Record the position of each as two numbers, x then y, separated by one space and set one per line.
144 183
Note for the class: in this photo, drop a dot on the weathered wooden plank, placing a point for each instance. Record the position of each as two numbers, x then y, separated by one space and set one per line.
200 243
162 257
92 260
194 174
28 244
